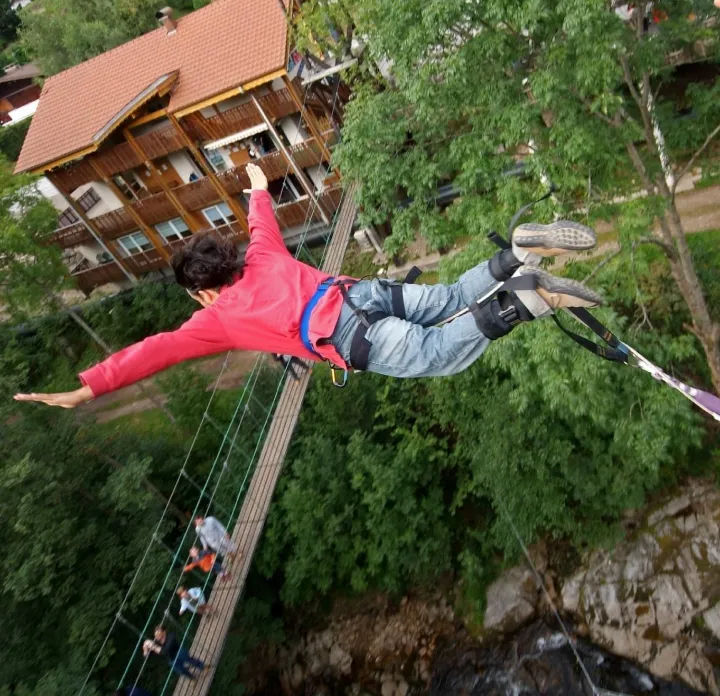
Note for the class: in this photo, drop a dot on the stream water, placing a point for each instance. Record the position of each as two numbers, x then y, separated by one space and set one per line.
539 661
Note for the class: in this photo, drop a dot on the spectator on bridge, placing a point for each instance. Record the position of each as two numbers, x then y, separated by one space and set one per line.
213 535
192 600
167 645
207 562
274 303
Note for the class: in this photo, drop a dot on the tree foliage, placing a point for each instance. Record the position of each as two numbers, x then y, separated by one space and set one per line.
12 138
9 22
578 94
31 270
64 33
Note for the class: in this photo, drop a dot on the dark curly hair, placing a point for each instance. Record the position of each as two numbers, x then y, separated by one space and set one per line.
206 263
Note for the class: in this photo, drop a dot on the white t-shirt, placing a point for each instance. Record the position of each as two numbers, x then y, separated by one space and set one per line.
195 599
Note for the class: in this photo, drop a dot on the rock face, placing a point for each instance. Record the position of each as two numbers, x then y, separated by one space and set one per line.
390 646
652 596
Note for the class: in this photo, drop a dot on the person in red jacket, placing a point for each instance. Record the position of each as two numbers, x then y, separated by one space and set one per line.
207 562
272 302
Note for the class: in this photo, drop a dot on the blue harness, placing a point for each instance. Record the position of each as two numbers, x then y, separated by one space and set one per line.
307 312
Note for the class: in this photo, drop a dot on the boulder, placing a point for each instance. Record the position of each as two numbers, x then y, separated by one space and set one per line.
511 600
340 660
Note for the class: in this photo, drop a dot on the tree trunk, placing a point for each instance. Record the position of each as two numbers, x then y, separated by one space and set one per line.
683 268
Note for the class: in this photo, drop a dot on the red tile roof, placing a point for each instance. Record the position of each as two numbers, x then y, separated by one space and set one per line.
217 48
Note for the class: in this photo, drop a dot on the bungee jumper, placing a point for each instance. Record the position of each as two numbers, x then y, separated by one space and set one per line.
274 303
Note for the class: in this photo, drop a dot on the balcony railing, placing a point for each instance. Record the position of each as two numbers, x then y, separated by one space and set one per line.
71 236
91 278
155 209
200 194
274 104
197 194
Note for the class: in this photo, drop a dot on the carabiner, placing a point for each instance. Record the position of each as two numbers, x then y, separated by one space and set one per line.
336 383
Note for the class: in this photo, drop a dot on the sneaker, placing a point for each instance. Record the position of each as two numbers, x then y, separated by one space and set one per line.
532 242
554 293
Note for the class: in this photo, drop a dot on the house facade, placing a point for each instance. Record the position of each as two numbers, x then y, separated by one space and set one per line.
145 145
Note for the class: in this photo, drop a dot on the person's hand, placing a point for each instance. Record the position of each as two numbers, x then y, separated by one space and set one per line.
63 399
258 180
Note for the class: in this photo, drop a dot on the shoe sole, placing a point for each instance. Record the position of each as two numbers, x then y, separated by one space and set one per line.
563 292
554 239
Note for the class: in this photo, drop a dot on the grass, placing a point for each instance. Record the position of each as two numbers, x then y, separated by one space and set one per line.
150 423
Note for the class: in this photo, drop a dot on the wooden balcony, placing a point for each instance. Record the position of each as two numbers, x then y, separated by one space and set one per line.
197 194
160 142
164 141
296 213
145 262
92 278
275 105
155 209
71 236
200 194
115 224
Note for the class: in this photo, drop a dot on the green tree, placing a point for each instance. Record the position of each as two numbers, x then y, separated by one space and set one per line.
578 94
64 33
31 270
9 22
12 138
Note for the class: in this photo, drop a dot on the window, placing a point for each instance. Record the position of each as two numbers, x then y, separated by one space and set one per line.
131 186
219 215
88 199
173 230
217 160
67 218
135 243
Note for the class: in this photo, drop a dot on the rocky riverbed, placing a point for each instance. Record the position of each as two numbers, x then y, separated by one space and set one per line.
644 618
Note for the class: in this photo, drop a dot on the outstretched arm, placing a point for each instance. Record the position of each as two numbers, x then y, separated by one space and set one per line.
264 228
201 335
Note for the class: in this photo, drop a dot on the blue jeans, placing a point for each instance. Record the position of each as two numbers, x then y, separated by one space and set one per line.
414 347
181 662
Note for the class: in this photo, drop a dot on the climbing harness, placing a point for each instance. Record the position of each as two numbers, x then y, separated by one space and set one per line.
359 346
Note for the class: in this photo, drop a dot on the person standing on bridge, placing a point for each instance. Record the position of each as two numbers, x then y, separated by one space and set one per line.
213 535
192 600
274 303
167 645
207 561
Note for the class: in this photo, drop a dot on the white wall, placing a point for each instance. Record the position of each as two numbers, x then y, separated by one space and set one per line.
317 175
184 166
108 200
294 132
90 251
48 190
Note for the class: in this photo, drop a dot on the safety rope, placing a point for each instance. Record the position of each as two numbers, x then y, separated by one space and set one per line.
144 557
